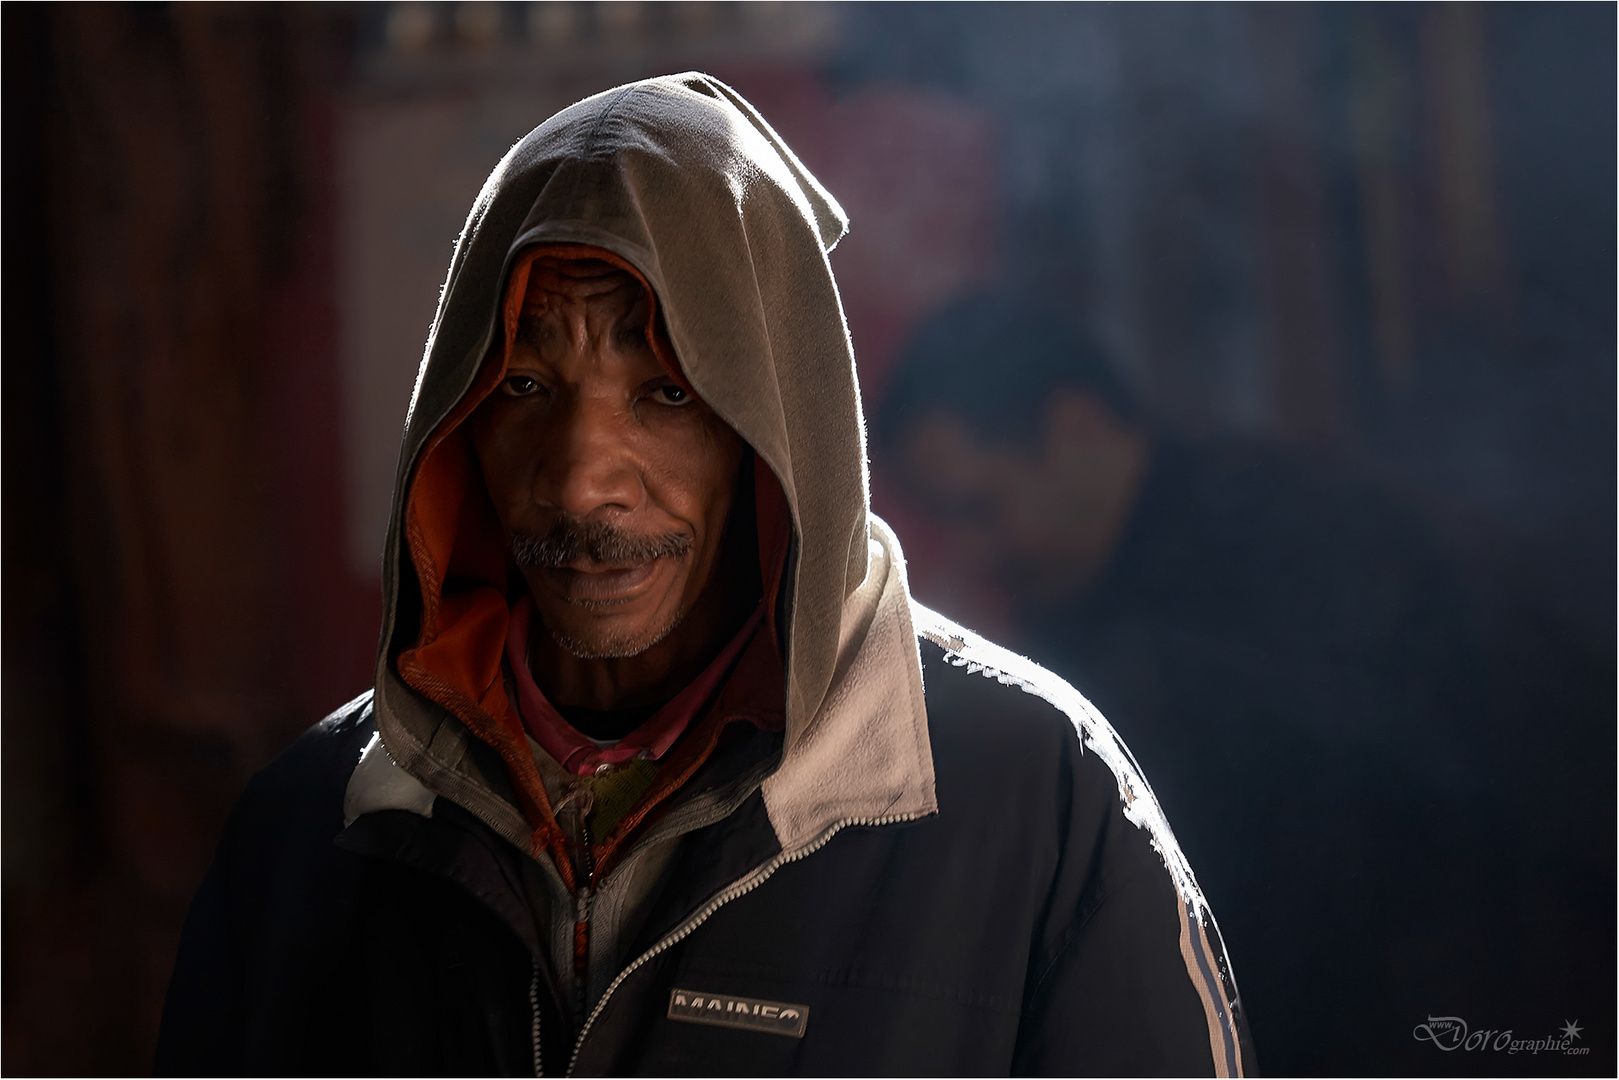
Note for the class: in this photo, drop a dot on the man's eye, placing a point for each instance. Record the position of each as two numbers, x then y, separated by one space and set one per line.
671 395
519 386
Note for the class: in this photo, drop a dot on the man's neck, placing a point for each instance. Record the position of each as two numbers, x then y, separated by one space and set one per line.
605 725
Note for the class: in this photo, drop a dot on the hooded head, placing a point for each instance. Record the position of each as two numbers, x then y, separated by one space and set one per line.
677 185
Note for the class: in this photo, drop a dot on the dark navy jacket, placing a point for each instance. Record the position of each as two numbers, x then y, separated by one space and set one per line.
1028 927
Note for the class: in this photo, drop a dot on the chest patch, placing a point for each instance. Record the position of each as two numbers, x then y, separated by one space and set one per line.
749 1014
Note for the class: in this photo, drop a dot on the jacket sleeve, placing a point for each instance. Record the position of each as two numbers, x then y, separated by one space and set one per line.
201 1032
1128 976
264 931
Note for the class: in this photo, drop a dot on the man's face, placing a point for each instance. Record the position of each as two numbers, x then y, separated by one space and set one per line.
613 483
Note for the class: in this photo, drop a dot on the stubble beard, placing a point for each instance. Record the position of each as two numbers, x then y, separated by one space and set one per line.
599 541
613 646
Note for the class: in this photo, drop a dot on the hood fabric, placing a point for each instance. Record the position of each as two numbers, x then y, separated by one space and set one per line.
681 182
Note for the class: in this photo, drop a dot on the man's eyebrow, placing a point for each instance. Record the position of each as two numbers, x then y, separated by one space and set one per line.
532 329
630 331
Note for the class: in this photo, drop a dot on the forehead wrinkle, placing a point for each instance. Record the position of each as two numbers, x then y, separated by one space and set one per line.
587 306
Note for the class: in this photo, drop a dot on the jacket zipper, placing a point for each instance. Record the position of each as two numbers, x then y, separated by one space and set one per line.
581 914
534 1024
742 887
585 872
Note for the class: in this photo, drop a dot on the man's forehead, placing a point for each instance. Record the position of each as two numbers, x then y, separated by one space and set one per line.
555 282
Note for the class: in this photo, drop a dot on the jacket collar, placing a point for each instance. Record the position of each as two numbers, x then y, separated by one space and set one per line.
864 755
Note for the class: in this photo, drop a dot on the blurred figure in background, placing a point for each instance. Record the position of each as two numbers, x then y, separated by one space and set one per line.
1286 655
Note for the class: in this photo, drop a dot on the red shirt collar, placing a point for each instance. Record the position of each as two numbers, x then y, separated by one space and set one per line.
575 751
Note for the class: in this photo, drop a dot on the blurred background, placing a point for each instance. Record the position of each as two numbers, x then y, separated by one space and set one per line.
1250 366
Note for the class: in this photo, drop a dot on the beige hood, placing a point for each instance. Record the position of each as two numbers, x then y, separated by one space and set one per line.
680 178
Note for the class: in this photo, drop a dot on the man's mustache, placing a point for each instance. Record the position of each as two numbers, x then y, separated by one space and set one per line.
571 540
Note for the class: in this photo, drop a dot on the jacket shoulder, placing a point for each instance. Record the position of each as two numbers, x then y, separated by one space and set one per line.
301 791
976 688
967 699
275 897
981 695
1130 898
323 757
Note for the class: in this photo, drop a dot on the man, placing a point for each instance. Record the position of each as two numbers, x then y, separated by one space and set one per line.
649 780
1281 644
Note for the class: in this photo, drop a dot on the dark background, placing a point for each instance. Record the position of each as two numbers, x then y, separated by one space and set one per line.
1369 246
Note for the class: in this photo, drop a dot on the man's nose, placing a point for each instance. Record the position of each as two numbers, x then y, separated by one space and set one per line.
591 462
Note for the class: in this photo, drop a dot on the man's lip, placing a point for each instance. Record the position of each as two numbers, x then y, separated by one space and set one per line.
593 583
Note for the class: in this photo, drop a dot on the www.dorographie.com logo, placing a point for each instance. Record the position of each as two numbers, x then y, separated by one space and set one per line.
1451 1033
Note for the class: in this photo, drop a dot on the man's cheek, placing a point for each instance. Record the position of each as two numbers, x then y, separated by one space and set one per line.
686 474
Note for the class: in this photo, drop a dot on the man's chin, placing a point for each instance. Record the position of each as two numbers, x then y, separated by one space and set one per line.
603 641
